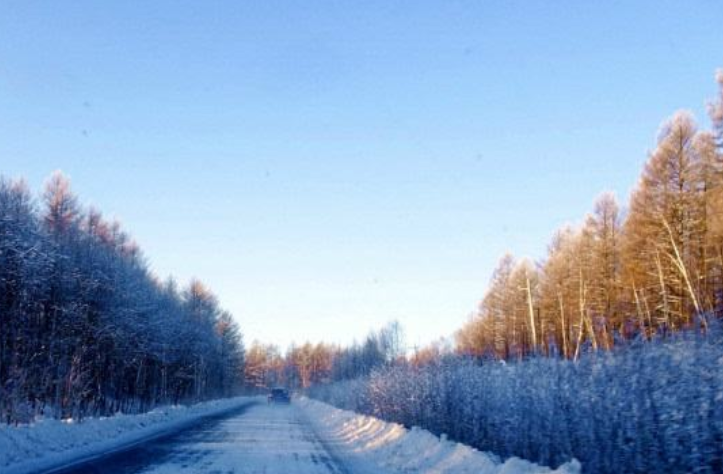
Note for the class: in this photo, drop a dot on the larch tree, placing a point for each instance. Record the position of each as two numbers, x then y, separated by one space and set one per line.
256 367
489 332
664 229
61 204
603 227
557 297
508 323
497 308
523 315
710 148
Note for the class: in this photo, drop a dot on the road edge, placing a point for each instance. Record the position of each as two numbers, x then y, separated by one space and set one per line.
57 463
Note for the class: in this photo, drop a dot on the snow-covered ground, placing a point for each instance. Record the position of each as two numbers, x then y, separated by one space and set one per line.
390 447
306 437
49 443
265 439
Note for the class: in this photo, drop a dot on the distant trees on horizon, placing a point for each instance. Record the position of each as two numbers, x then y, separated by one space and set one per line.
86 328
655 269
303 366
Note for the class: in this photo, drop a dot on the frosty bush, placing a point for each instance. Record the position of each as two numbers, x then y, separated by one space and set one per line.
650 407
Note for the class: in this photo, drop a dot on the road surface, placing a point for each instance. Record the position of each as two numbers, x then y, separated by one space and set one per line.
261 439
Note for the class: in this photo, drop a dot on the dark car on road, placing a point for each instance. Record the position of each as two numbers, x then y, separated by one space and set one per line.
279 395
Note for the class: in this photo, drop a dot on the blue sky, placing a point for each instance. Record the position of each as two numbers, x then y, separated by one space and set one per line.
328 166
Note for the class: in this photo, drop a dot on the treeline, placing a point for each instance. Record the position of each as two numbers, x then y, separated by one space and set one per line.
310 364
608 351
654 270
86 328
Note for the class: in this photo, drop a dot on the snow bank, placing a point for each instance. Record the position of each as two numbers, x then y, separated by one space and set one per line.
393 447
49 443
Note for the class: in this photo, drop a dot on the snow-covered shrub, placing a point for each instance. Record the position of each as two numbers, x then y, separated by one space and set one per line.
649 407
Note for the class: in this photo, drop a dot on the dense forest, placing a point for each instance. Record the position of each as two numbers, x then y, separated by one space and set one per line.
653 270
87 329
610 350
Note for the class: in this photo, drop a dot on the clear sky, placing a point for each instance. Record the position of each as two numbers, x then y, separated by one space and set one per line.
328 166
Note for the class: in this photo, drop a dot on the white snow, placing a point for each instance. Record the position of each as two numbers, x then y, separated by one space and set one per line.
307 437
392 447
48 443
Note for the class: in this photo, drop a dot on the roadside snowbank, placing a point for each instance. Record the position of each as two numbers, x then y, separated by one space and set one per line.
49 443
393 447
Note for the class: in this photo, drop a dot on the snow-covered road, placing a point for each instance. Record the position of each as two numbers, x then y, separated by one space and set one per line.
306 437
262 440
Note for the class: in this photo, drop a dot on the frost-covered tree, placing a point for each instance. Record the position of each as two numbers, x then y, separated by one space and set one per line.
85 328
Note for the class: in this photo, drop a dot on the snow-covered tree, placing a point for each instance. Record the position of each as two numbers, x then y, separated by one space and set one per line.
86 328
